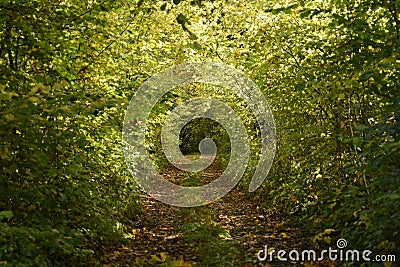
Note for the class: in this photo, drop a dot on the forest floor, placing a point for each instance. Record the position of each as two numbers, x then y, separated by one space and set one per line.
228 232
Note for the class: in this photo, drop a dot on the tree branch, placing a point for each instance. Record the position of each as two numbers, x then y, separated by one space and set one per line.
84 13
103 50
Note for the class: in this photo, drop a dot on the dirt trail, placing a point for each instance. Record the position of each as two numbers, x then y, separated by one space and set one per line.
160 233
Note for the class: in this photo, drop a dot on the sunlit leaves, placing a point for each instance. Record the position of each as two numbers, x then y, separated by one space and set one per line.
68 69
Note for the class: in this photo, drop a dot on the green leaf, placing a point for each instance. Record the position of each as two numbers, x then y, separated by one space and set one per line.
8 214
9 117
181 19
364 77
192 36
7 95
362 127
197 46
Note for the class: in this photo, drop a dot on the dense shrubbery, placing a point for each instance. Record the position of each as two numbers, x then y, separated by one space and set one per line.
337 116
64 190
330 71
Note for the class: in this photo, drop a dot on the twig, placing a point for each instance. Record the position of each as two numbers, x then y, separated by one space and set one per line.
104 49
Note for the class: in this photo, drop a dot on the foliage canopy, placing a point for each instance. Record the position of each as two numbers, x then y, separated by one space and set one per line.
329 69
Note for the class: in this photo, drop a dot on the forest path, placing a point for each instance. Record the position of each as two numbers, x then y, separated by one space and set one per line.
228 232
